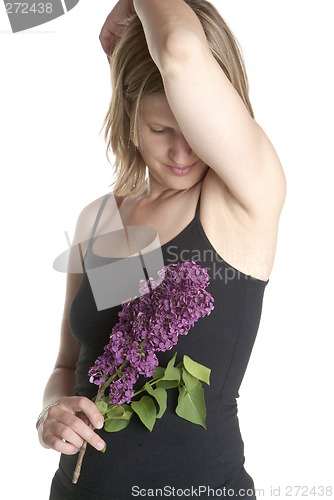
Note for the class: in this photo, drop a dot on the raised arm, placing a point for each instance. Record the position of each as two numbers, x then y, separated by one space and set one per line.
213 118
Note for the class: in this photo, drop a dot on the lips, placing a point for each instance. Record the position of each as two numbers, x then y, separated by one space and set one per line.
182 170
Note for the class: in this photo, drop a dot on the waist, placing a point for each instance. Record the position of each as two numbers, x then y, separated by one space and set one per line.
176 453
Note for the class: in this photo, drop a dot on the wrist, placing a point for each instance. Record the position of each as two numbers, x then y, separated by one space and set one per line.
42 416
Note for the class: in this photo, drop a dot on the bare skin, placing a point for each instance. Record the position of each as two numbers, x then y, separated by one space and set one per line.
242 185
245 243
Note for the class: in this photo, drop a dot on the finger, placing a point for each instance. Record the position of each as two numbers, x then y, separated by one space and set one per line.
107 41
67 434
57 444
82 404
76 431
109 45
49 439
83 417
108 35
63 422
73 430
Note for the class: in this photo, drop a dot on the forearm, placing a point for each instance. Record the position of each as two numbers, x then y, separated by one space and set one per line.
168 26
61 383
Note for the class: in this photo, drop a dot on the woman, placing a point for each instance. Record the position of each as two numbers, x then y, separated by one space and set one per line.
214 193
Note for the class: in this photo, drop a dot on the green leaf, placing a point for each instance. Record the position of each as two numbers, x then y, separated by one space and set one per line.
168 384
158 372
171 362
191 405
190 381
172 374
196 370
102 406
115 412
123 412
146 411
160 395
128 414
115 425
104 398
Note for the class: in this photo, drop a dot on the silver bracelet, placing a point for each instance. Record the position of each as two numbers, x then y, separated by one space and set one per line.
43 412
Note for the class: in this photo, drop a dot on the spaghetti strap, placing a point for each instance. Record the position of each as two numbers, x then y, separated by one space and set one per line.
198 206
97 220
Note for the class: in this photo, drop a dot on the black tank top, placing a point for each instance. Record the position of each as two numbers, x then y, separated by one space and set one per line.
176 453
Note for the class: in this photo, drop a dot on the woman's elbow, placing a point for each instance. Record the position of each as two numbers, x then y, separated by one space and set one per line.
178 48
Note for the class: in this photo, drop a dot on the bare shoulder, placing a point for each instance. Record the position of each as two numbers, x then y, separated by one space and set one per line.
89 213
246 242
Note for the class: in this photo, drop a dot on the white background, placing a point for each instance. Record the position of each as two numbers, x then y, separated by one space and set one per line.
54 92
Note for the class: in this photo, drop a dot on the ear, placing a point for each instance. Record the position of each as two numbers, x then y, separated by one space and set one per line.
126 106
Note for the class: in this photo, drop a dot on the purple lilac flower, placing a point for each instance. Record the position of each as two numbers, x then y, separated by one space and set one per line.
152 323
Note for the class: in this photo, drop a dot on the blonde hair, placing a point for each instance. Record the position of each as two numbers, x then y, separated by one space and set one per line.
134 75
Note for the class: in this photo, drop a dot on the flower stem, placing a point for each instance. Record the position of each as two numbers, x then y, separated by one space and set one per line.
155 381
83 448
99 395
77 469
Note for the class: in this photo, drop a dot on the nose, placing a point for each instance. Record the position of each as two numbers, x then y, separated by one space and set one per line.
180 151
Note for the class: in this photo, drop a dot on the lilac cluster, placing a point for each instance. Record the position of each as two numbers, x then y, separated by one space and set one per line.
151 323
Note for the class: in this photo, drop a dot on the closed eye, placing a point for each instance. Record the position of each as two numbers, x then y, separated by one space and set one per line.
157 131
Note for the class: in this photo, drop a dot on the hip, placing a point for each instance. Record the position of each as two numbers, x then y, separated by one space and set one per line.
241 485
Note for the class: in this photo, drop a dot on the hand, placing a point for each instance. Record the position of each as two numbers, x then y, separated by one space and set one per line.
65 421
117 20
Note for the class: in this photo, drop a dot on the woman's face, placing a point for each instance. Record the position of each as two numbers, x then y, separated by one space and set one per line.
171 161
